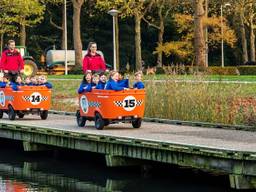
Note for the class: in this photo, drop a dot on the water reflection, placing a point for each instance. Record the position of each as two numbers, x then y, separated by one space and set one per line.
21 173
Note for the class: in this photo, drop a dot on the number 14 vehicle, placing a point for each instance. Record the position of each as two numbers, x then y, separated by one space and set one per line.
107 106
27 100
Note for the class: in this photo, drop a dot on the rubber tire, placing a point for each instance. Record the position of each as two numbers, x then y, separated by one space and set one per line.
44 114
1 114
21 115
32 64
80 120
137 123
99 122
11 113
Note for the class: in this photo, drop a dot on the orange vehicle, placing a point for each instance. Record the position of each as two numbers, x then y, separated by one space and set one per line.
27 100
106 107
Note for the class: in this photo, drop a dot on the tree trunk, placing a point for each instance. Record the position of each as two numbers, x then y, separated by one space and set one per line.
77 4
23 35
160 38
1 43
243 37
63 28
138 42
252 41
199 33
117 44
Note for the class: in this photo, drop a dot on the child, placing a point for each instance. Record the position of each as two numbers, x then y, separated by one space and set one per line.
34 81
18 82
113 84
28 81
102 81
86 85
95 80
42 81
138 81
123 82
2 82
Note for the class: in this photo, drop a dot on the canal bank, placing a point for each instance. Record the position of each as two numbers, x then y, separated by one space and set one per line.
81 171
217 151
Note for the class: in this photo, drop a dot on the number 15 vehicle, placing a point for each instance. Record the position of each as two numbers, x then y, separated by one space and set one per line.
106 107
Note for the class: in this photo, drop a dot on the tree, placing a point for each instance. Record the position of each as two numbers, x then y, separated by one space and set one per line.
163 10
135 8
5 23
199 44
77 5
26 13
183 49
61 27
249 21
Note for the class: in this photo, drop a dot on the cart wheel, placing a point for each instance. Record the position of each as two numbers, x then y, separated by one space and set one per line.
1 114
43 115
21 115
11 113
80 120
136 123
99 122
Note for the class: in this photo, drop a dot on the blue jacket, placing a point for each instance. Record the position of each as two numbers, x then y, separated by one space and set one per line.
138 85
47 84
124 83
101 85
112 85
3 84
29 84
85 87
15 86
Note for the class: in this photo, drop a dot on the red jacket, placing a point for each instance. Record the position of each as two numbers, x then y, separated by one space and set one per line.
94 63
11 61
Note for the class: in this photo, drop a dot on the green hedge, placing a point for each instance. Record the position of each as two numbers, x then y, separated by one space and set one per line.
181 70
247 70
223 71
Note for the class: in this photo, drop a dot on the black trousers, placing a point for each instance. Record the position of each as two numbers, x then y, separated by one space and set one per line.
12 76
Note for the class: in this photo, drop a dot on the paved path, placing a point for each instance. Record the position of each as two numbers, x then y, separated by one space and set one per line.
204 137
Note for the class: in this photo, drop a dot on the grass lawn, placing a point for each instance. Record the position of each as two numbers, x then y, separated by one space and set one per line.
177 77
214 103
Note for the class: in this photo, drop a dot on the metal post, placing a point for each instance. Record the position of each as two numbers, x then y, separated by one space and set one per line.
114 41
222 41
114 14
65 32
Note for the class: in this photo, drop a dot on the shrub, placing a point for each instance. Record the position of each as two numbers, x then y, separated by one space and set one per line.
76 70
160 70
247 70
223 71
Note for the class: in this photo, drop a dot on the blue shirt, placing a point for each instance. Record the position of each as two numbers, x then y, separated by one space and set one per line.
124 83
112 85
3 84
138 85
85 87
47 84
101 85
15 86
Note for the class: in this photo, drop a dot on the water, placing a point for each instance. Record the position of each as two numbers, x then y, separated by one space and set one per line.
75 171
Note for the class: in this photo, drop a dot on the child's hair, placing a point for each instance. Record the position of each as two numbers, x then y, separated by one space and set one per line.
138 73
84 77
18 77
113 73
95 75
102 73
